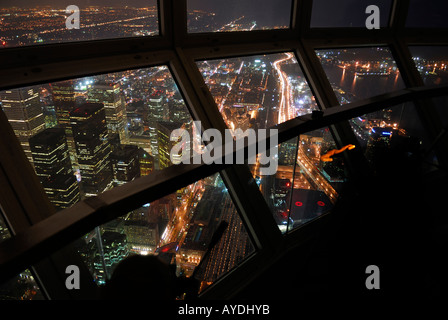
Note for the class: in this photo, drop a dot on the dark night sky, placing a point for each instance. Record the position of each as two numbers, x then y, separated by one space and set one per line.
264 11
347 13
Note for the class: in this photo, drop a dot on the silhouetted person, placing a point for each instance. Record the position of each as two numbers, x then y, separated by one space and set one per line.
389 219
141 278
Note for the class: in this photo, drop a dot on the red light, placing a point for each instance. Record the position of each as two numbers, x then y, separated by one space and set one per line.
321 203
299 204
288 184
4 43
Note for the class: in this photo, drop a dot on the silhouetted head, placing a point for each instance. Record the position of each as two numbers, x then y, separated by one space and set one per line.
141 277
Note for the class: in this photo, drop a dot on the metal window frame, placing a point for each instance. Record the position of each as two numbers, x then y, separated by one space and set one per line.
26 206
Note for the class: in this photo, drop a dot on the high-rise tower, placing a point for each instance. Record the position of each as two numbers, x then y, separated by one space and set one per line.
93 150
109 95
24 112
64 100
53 167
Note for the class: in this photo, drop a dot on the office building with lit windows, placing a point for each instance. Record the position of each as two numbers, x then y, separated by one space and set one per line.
165 144
125 163
359 101
110 96
64 101
53 167
25 114
93 150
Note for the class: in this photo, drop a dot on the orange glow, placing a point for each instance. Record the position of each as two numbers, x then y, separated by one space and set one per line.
327 157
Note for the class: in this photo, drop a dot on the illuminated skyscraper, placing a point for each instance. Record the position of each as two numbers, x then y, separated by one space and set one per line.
109 95
156 114
146 162
125 163
164 130
115 249
53 167
64 102
92 147
24 112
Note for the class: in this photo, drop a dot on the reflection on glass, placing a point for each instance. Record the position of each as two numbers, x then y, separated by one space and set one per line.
427 14
178 228
306 184
4 231
258 91
432 63
86 136
360 73
23 286
347 13
238 15
397 128
44 22
441 105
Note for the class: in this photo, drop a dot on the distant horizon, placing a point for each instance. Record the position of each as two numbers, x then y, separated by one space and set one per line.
5 4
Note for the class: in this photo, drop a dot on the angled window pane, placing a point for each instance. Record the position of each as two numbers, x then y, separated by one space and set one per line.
23 286
177 229
427 14
308 180
432 63
86 136
4 230
25 24
360 73
347 13
397 128
441 105
258 91
238 15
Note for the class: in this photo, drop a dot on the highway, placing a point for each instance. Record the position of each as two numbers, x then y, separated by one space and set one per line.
177 228
316 177
285 113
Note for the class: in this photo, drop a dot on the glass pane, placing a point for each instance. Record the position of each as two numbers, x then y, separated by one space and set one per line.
360 73
86 136
258 91
347 13
238 15
432 63
4 231
23 286
441 105
178 229
46 22
397 128
308 180
427 14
